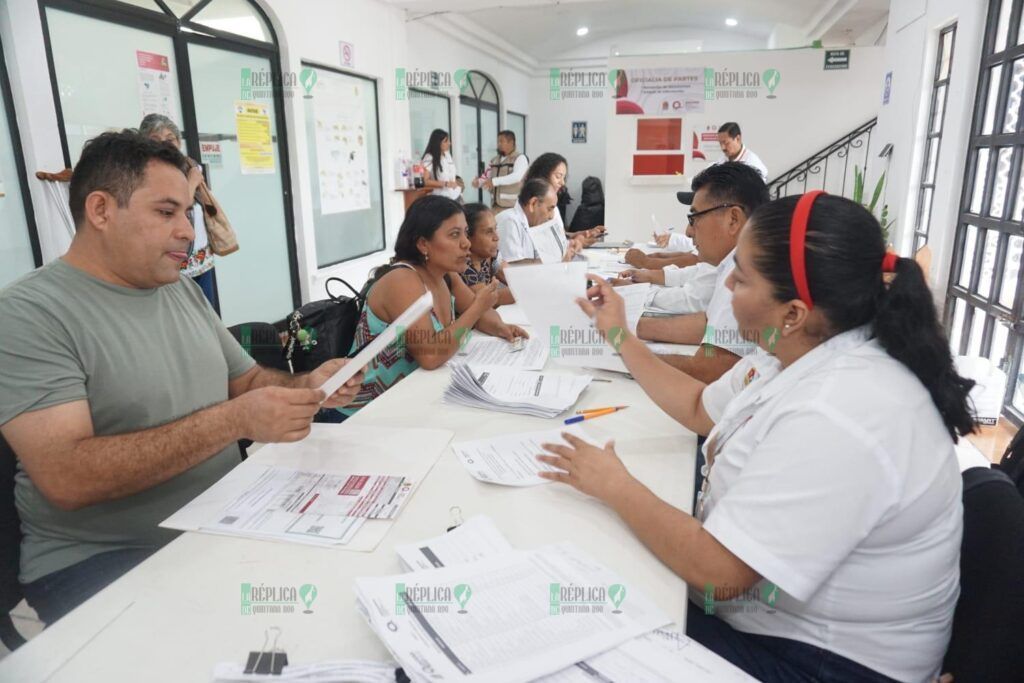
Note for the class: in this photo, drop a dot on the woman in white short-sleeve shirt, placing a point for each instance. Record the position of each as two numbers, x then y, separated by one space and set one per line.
439 172
826 541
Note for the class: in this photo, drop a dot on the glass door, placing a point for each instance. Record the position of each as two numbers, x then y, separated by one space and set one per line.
468 162
256 282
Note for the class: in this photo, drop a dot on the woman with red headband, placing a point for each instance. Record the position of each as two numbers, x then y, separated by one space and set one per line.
831 505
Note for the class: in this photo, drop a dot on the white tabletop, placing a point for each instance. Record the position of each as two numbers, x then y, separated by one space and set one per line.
178 613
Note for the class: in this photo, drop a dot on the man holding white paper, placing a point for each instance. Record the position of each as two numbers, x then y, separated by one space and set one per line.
131 397
528 232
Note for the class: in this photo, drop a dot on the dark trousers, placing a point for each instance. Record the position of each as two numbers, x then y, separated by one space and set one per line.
56 594
771 659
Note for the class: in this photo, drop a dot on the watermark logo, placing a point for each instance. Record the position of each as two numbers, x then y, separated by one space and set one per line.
432 599
569 598
462 336
564 85
583 341
263 84
263 599
407 80
725 600
730 338
723 84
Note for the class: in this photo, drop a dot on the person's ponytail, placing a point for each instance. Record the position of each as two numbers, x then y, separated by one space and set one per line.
907 327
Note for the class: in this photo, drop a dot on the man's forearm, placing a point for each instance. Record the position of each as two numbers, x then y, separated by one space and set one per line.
676 329
678 259
707 365
269 377
102 468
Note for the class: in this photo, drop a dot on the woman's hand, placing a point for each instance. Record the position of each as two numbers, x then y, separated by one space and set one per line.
595 471
510 332
607 308
486 296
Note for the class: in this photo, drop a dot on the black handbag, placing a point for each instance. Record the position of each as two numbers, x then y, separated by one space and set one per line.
322 330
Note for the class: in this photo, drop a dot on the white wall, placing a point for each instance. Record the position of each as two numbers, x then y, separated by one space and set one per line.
910 54
812 108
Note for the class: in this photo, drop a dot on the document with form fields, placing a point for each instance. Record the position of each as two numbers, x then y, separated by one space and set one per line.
541 394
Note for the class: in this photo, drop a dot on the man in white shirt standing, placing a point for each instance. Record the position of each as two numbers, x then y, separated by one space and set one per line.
505 173
730 139
724 197
528 233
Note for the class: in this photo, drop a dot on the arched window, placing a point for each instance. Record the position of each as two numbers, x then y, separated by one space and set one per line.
477 138
194 61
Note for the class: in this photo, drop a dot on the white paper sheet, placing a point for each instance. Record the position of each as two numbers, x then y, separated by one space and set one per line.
550 245
511 459
380 342
485 352
505 618
662 656
475 539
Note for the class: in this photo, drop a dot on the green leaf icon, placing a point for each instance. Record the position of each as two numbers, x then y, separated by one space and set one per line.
462 335
308 78
770 593
771 335
617 593
771 78
616 335
462 595
307 593
461 78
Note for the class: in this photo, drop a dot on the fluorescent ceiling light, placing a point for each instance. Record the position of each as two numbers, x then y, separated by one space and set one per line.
731 22
582 31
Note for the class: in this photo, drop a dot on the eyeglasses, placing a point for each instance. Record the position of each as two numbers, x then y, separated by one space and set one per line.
694 215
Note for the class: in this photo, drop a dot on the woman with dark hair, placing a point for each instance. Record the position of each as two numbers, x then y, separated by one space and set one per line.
554 168
431 246
439 172
485 263
831 501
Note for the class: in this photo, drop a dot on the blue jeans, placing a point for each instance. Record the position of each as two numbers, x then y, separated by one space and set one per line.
57 593
771 659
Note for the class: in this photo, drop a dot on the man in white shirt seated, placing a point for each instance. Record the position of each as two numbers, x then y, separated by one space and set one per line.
505 173
724 196
730 139
528 233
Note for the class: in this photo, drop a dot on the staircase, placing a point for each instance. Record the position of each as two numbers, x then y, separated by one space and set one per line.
831 168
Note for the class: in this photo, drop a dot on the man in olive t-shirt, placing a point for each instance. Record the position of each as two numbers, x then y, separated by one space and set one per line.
121 392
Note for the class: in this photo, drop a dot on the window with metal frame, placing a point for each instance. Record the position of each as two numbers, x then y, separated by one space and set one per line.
983 310
517 124
933 136
196 55
19 242
427 110
477 140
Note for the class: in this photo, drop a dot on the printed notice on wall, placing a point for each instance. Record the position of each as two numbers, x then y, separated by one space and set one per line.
156 92
255 146
659 91
211 153
343 167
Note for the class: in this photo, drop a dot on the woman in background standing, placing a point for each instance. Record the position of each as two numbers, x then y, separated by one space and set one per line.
440 174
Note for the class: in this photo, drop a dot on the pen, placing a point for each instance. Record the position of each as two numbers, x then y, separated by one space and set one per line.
581 418
594 410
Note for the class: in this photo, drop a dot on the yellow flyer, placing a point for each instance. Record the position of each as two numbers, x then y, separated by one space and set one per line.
255 146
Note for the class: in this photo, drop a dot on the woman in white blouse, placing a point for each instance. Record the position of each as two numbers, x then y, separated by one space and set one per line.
439 173
831 504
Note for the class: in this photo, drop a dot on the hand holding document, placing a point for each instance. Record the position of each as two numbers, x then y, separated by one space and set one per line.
514 391
513 617
511 460
482 351
410 315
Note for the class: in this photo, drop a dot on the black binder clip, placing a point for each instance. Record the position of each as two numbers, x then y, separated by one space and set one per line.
456 513
264 662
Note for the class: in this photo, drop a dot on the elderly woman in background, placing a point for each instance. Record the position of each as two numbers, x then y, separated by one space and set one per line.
199 264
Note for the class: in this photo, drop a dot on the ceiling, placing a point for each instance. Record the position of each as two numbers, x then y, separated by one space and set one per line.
545 29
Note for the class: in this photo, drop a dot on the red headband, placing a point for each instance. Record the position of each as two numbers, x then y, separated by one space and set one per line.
797 238
889 262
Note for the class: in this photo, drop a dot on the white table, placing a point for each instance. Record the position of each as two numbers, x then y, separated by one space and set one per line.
178 613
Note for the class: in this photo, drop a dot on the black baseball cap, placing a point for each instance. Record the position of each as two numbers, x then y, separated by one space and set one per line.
685 197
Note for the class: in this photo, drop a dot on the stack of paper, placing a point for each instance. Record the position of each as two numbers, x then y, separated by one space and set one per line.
513 617
483 351
660 656
331 671
511 460
514 391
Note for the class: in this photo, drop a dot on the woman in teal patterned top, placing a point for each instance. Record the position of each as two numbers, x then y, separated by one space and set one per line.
431 250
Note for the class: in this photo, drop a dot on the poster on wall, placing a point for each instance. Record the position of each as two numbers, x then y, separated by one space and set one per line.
579 132
211 153
343 166
255 145
156 94
705 143
669 92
